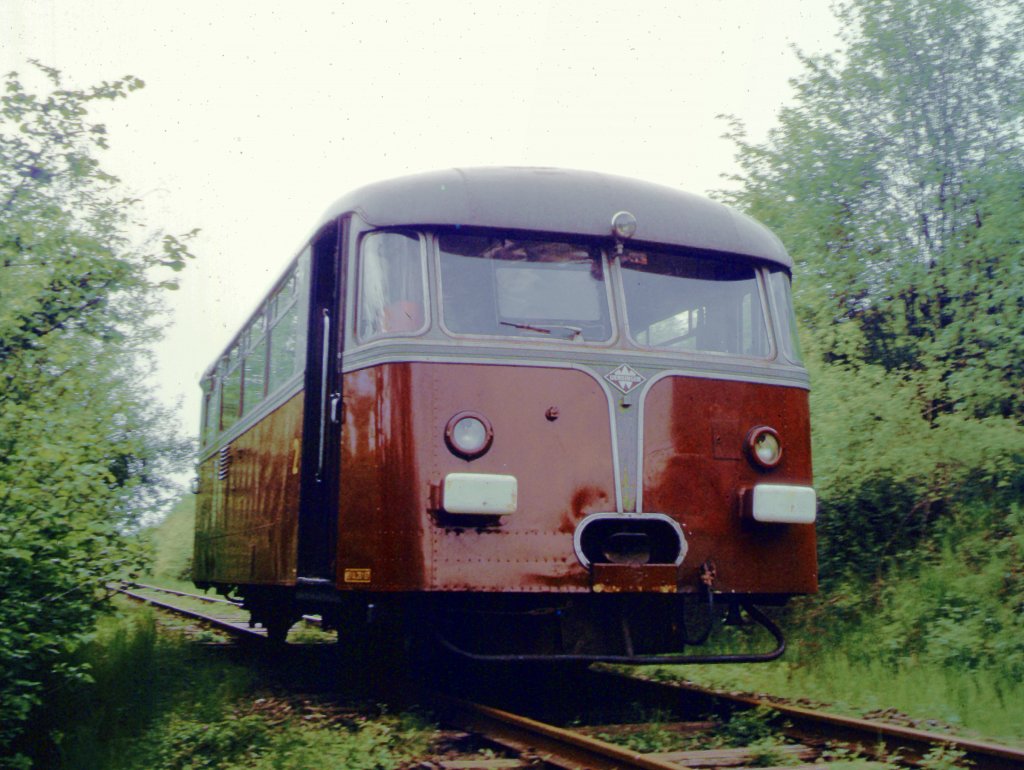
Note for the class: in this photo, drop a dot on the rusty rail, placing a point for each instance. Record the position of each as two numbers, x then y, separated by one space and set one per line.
238 627
554 746
911 743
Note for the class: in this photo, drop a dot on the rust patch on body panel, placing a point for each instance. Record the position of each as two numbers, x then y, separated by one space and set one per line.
619 578
381 505
693 431
584 502
394 459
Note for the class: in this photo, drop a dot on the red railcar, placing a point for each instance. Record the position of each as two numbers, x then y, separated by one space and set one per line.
535 413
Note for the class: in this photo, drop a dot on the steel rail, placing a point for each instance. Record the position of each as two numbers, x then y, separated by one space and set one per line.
804 723
867 734
238 628
552 745
198 597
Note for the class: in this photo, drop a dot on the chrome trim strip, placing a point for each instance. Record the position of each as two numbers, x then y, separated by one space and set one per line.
773 373
283 395
326 357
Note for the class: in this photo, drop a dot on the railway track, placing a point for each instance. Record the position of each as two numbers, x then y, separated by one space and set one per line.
813 726
228 617
811 738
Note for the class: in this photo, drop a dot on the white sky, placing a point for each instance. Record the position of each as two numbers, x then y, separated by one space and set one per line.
256 117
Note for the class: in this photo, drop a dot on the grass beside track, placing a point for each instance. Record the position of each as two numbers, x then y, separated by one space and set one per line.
159 702
939 640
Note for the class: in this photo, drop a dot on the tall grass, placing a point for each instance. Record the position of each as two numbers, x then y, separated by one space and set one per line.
940 637
156 702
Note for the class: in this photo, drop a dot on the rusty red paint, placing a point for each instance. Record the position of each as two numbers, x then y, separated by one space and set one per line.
395 458
685 419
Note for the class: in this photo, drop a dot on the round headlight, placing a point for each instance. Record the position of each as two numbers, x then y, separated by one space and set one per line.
468 435
764 447
623 225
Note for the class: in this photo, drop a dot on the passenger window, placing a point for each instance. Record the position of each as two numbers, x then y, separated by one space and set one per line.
211 408
392 297
288 329
284 339
231 399
254 385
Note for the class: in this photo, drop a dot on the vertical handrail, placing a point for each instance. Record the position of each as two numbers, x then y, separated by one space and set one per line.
325 357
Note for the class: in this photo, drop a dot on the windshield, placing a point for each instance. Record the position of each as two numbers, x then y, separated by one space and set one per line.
523 288
695 304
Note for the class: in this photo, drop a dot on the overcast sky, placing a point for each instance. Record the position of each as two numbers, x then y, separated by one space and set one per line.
257 116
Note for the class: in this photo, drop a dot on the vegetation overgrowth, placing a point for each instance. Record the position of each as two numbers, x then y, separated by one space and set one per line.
171 543
84 451
896 180
938 641
159 703
895 177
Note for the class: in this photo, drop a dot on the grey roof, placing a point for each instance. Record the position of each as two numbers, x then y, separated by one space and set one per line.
559 201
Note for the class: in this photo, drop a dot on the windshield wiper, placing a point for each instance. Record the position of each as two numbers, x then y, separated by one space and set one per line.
576 330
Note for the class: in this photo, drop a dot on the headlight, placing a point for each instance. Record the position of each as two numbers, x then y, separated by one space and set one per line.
468 435
764 447
623 225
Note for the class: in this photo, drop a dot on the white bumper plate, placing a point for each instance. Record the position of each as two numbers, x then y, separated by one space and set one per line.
784 504
484 494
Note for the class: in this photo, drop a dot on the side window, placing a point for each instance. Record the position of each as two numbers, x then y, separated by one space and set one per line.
231 398
392 291
286 315
785 317
255 377
211 408
268 354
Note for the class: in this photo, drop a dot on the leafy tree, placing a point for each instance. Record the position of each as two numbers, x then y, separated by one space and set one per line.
896 179
84 453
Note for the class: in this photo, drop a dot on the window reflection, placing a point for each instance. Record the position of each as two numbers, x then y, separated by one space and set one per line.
392 298
523 288
694 304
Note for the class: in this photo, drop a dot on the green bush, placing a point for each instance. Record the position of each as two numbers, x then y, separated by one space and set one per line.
84 451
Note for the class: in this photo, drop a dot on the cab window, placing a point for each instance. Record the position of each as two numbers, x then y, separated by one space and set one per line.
513 287
392 291
694 304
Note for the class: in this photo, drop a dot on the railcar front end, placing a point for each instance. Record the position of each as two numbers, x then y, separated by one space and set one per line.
537 414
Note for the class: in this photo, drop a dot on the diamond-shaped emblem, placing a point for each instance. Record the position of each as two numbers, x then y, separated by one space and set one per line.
625 378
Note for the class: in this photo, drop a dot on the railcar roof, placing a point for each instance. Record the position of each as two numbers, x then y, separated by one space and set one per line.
560 201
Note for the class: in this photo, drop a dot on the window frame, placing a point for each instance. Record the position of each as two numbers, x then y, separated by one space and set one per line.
761 289
518 339
422 238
